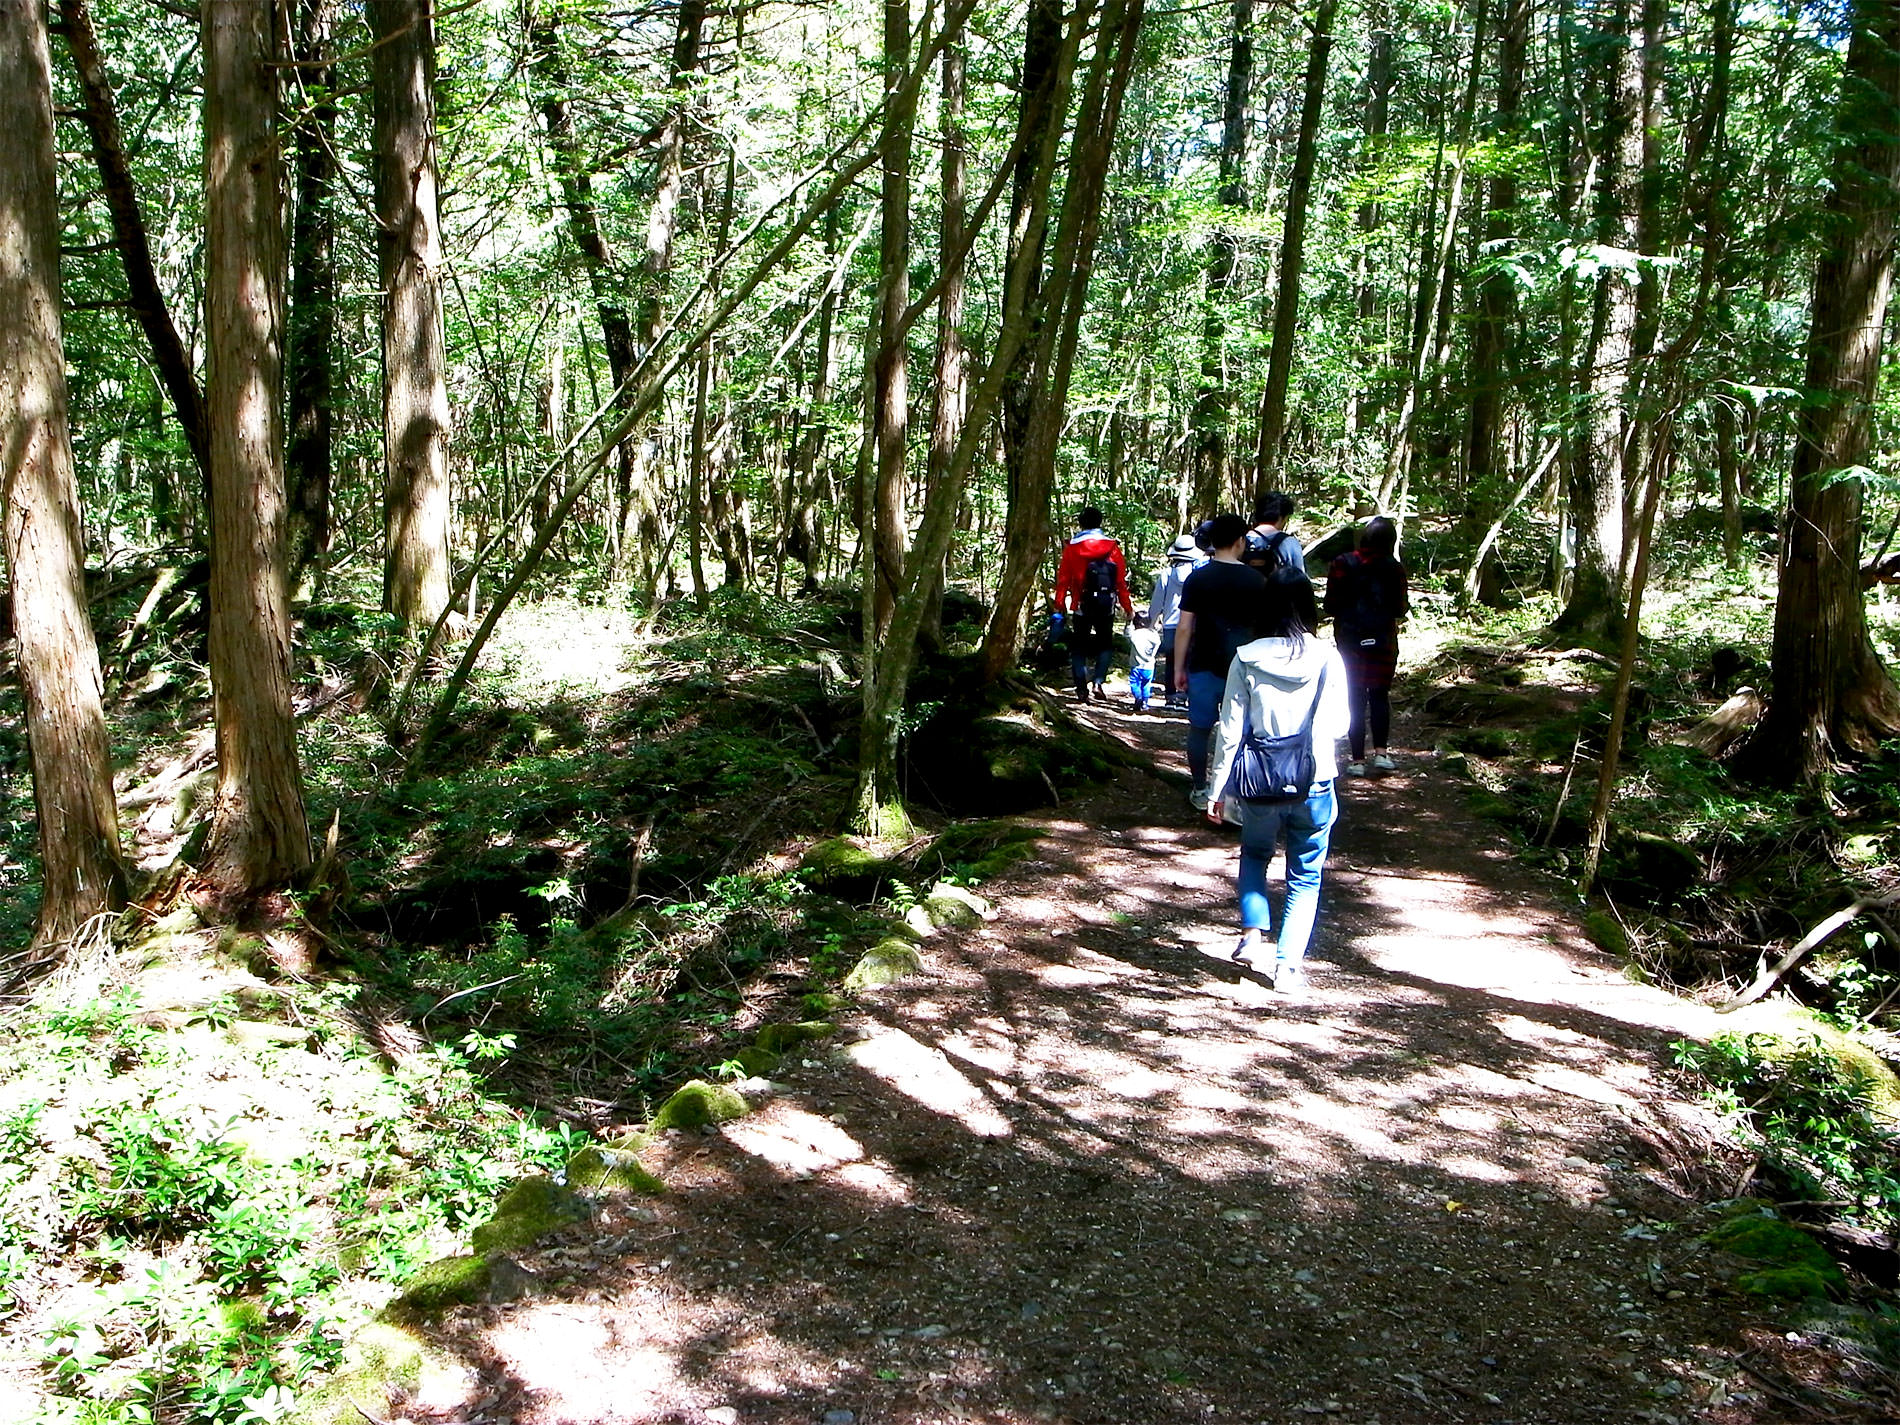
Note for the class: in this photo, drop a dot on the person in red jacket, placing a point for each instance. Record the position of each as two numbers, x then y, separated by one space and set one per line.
1092 579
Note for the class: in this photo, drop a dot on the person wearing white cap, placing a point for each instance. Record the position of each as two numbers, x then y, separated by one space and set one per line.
1164 609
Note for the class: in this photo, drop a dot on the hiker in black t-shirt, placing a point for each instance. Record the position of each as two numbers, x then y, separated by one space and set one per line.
1218 605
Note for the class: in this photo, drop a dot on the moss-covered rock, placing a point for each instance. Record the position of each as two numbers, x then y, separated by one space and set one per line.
777 1038
884 963
1606 932
445 1282
843 868
1003 748
979 849
699 1105
1855 1060
1641 868
758 1063
1793 1264
612 1167
382 1360
535 1207
955 907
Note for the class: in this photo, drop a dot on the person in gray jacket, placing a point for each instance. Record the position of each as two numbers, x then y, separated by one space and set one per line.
1275 687
1164 609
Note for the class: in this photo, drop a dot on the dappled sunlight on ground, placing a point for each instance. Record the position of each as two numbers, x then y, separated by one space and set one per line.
1087 1169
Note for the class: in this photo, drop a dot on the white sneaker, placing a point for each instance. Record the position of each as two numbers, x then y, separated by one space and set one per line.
1355 769
1289 981
1199 798
1384 763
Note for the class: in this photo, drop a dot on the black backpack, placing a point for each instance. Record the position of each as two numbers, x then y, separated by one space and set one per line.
1100 588
1263 551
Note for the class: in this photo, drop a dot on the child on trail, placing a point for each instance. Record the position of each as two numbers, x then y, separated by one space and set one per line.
1286 684
1164 610
1366 595
1144 643
1091 580
1218 609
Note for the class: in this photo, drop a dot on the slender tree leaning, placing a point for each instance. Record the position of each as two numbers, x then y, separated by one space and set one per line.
80 869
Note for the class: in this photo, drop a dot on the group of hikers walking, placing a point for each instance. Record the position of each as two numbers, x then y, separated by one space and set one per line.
1230 635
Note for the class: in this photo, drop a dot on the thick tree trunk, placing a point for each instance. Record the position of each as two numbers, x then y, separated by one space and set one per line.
1213 407
101 117
313 288
259 839
81 874
1830 695
1286 301
1594 611
951 386
415 359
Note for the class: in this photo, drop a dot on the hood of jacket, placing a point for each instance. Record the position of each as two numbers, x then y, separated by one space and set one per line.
1280 664
1093 544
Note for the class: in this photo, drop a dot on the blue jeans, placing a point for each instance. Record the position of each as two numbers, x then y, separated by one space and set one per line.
1309 828
1205 691
1140 683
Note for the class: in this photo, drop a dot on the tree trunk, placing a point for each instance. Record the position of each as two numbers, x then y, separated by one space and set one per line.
313 288
1213 407
1728 462
259 839
1496 293
1063 298
1371 212
409 250
951 386
81 874
100 115
1038 115
1830 696
891 381
1286 301
1594 611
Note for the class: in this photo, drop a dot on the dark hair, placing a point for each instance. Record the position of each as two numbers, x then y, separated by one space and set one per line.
1379 538
1273 508
1225 531
1088 518
1286 608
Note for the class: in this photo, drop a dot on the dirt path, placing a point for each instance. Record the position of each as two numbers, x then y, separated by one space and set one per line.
1085 1170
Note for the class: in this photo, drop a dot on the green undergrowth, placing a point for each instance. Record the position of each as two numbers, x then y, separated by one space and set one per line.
1821 1111
1701 870
192 1222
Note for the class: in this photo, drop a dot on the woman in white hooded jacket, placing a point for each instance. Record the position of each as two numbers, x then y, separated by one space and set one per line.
1286 679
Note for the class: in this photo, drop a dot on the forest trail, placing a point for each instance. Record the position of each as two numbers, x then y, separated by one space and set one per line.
1084 1169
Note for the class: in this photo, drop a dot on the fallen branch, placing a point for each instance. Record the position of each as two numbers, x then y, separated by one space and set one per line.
1770 979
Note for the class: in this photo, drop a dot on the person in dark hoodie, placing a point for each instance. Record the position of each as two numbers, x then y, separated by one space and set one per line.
1367 596
1286 680
1091 580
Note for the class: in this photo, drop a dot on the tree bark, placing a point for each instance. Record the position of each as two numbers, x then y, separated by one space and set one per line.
891 380
1371 212
1286 301
313 287
81 874
1497 301
1213 407
259 838
415 359
1063 298
100 115
1594 610
1830 696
